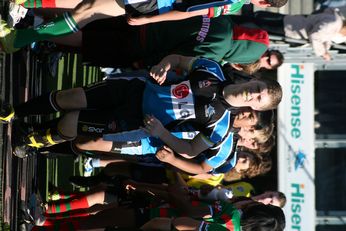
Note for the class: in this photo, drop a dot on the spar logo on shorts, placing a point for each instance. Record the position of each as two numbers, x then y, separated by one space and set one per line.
181 91
182 101
90 129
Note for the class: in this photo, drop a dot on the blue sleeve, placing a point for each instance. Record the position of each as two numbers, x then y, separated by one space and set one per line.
224 151
210 65
220 129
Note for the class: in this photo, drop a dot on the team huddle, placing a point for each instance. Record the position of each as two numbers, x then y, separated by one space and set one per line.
165 139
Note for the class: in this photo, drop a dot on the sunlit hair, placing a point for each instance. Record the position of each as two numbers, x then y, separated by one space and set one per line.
277 3
259 164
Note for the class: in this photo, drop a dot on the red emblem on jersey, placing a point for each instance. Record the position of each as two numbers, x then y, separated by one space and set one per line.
181 91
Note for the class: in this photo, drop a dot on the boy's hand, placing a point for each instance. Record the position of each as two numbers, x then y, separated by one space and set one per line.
159 72
153 126
165 154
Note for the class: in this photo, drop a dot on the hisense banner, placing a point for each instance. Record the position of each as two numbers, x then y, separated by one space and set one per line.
296 152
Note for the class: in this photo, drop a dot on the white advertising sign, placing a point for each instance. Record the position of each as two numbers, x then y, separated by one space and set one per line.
296 152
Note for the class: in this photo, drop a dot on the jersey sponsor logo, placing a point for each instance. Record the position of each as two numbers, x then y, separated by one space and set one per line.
90 129
182 101
209 110
204 83
181 91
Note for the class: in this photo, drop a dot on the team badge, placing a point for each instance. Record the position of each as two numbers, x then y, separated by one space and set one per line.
209 110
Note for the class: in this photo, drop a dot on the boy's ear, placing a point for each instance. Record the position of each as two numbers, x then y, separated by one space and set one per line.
237 66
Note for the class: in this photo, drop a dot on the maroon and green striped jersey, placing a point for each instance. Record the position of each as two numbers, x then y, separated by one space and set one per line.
223 215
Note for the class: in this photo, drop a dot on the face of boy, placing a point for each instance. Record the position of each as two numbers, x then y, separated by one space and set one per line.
269 61
247 133
243 163
269 198
246 119
248 142
252 94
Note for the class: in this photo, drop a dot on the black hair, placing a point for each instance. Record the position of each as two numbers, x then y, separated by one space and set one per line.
259 217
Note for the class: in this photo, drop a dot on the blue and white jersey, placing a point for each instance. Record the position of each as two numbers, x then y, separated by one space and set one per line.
221 157
198 100
150 145
223 152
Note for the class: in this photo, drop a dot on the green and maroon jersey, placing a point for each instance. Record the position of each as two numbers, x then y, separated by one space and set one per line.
223 216
218 39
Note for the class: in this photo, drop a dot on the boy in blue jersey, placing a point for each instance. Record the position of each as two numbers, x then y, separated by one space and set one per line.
202 99
218 159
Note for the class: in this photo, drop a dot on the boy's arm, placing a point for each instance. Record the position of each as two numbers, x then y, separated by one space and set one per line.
170 62
188 149
173 15
166 155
